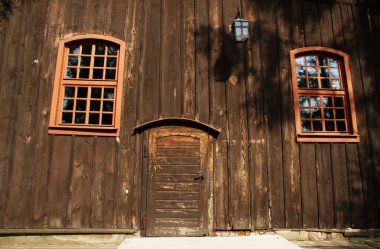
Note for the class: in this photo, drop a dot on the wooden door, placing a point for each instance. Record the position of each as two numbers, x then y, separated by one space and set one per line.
176 187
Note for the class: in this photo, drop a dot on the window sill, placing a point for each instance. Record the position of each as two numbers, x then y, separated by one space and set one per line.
93 131
327 138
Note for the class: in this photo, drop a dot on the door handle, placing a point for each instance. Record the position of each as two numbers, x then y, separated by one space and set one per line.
200 177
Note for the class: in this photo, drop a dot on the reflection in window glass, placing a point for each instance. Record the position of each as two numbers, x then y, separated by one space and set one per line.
311 60
107 119
100 49
313 83
300 61
96 93
304 101
86 49
108 93
74 50
312 72
67 118
315 101
69 92
80 118
305 125
71 73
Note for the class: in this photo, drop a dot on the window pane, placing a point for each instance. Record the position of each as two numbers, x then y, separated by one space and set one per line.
315 101
338 101
68 104
108 106
94 105
80 118
84 73
94 118
108 93
313 83
300 61
305 113
82 92
316 113
304 101
330 126
317 125
85 61
334 72
69 92
328 114
86 49
336 84
312 71
339 114
301 71
100 49
72 61
111 62
96 93
327 102
325 83
112 51
81 105
107 119
74 50
99 62
341 126
333 63
311 60
67 118
322 61
305 125
110 74
71 73
324 72
301 82
97 74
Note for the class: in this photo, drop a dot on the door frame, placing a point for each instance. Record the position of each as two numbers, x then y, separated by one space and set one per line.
209 177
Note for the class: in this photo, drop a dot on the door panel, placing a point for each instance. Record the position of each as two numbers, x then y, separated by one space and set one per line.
176 198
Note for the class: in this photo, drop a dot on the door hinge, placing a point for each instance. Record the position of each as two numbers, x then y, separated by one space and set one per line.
145 149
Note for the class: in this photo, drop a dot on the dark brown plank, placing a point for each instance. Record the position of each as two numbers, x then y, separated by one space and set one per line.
311 21
272 113
336 19
218 116
180 161
256 127
59 182
308 186
177 213
340 184
290 158
171 82
181 186
170 222
170 195
327 35
74 18
109 152
175 204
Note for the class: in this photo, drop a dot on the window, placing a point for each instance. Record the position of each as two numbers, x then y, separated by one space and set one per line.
323 96
88 86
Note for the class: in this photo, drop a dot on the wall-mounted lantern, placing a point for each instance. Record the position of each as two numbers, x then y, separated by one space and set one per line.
240 28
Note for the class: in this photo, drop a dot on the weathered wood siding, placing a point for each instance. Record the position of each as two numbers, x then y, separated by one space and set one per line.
181 62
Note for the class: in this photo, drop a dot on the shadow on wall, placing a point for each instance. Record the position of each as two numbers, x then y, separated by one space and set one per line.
5 8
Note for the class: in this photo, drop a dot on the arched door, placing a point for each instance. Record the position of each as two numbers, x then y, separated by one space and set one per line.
176 181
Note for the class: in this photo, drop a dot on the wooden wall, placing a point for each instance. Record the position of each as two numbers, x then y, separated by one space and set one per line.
181 62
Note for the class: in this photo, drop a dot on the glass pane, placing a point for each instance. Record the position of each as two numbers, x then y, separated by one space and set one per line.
328 114
68 104
305 113
341 126
330 126
74 50
305 125
316 113
99 62
238 31
327 102
312 71
86 49
300 61
313 83
84 73
96 93
111 62
67 118
336 84
97 74
333 63
100 49
81 105
107 119
301 71
110 74
108 106
108 93
94 105
85 61
304 101
69 92
322 61
311 60
94 118
338 101
71 73
245 30
301 82
80 118
82 92
72 61
325 83
334 72
315 101
324 72
112 51
317 125
339 114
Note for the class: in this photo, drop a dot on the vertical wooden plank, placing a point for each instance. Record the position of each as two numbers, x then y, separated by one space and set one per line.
355 189
309 186
80 201
237 124
291 167
150 63
117 19
75 16
188 58
311 20
256 127
341 199
272 114
202 84
171 89
108 150
59 182
325 185
351 45
218 116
